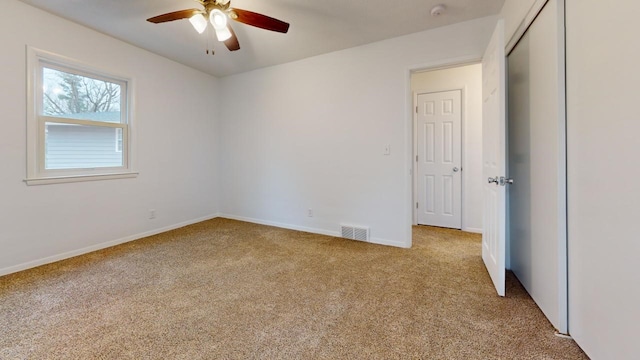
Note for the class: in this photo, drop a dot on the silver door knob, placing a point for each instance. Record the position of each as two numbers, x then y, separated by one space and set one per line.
493 180
504 181
455 169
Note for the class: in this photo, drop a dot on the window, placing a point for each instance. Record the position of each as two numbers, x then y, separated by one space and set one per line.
74 112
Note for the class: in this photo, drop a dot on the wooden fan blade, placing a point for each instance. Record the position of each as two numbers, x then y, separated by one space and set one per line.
232 42
176 15
259 20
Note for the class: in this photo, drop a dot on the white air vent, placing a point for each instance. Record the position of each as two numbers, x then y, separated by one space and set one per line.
355 232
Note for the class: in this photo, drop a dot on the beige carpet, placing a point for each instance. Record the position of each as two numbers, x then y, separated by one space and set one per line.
225 289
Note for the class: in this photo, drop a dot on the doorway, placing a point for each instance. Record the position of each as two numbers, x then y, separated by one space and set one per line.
447 151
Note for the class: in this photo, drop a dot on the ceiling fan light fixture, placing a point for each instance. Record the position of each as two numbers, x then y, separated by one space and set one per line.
223 34
199 23
218 19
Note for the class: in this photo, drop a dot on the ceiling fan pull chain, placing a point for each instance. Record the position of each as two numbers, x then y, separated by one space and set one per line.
211 35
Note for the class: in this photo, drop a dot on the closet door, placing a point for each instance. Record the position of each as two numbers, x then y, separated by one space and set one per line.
537 163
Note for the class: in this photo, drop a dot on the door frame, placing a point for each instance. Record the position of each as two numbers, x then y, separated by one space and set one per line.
411 132
463 159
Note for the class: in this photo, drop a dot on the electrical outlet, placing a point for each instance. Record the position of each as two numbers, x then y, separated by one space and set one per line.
152 214
310 212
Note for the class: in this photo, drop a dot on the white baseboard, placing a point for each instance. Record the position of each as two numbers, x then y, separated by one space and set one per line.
473 230
387 242
281 225
104 245
378 241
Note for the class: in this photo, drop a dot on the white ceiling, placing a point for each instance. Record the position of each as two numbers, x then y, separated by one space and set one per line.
317 27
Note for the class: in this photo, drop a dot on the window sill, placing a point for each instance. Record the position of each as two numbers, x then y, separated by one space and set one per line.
78 178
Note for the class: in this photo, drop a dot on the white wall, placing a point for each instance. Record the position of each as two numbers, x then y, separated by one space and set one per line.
311 134
175 123
469 79
603 171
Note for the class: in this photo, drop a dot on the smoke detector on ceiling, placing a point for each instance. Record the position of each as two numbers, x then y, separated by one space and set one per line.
438 10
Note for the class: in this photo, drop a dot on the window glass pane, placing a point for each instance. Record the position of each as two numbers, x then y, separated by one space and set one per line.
80 147
79 97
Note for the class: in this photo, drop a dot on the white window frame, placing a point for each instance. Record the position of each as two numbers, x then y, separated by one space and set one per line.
36 172
119 140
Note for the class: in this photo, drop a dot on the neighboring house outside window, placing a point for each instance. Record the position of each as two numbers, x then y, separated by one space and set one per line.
74 112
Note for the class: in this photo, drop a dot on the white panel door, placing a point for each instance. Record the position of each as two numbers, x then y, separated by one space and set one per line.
439 159
494 158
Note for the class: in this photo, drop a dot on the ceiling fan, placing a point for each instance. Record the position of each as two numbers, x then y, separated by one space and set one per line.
218 12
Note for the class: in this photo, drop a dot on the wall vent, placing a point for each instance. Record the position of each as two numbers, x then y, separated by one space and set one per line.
355 232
